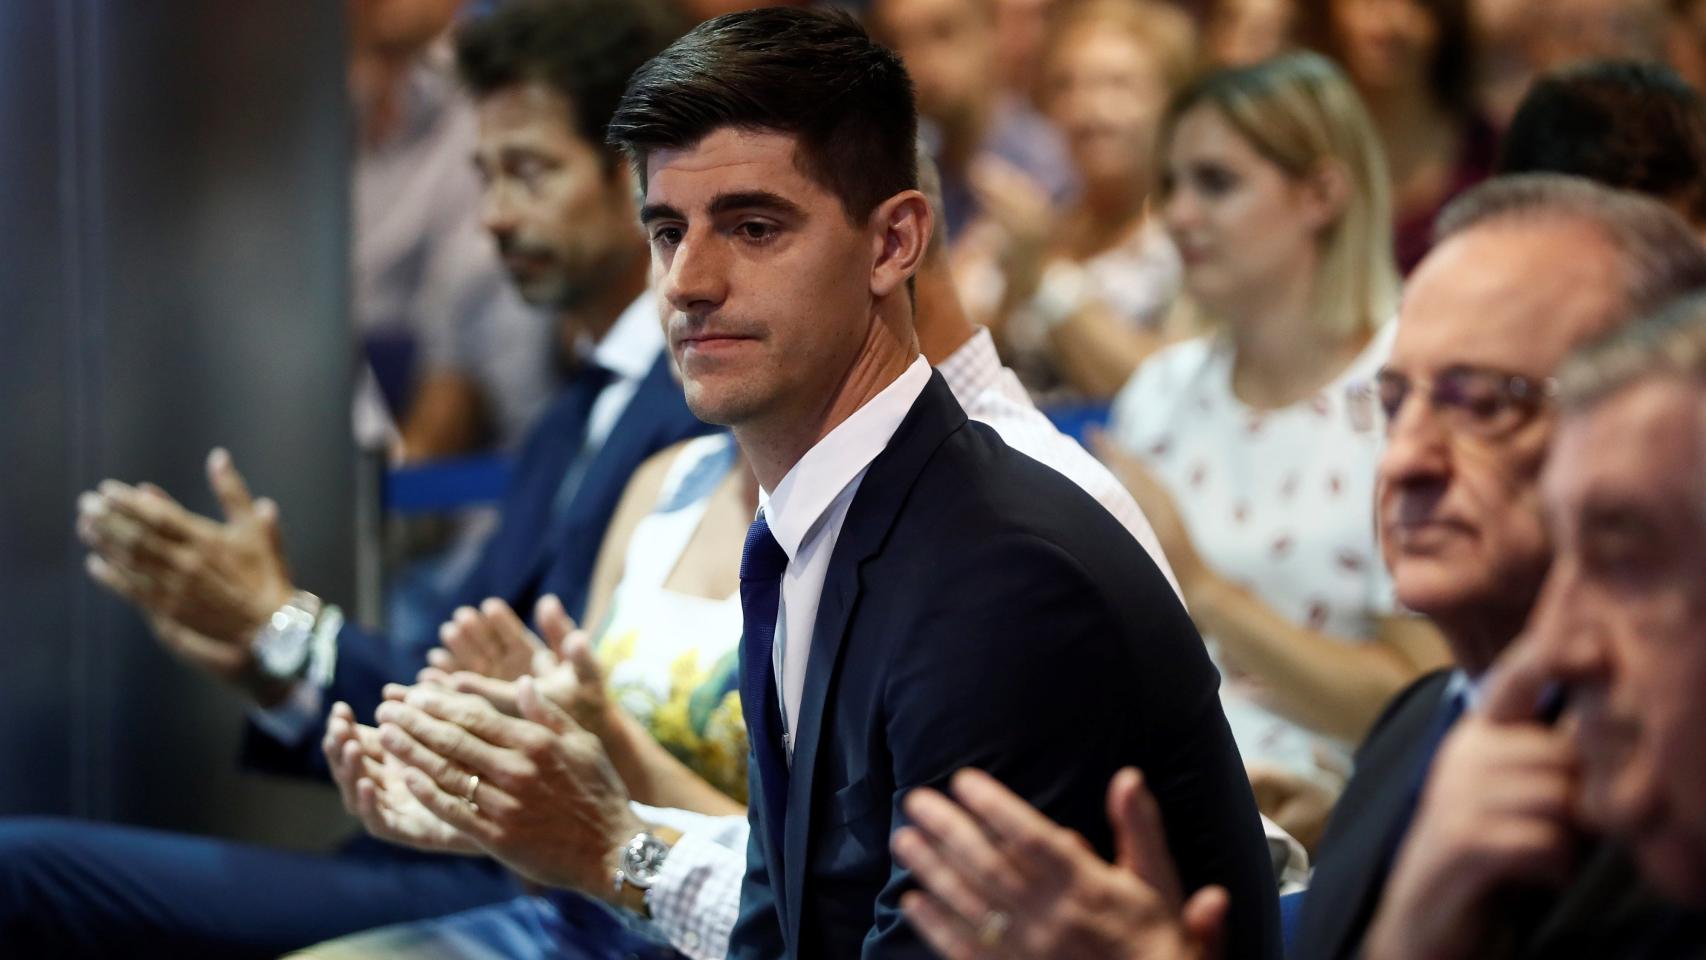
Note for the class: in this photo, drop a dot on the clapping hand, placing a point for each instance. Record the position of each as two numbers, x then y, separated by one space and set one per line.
561 661
537 792
371 783
1019 208
999 879
206 587
492 642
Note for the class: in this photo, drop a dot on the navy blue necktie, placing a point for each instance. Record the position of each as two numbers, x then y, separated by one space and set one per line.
762 564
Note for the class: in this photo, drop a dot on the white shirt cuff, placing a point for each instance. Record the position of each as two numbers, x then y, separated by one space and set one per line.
295 717
696 897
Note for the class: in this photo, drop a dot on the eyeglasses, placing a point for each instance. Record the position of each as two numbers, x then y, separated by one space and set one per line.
1473 401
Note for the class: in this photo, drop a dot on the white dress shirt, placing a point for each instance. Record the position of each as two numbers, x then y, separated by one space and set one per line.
805 513
628 350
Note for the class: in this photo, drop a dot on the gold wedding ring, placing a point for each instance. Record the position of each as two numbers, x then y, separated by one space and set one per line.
468 795
993 928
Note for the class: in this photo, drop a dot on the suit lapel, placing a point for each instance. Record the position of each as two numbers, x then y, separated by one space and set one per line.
527 510
882 492
635 426
1359 858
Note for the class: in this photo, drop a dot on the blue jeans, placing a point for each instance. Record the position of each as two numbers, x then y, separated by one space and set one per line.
77 888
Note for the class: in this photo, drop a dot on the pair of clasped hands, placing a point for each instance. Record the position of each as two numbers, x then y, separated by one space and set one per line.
497 749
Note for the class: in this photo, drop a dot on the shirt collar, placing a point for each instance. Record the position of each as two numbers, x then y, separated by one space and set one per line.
805 494
975 369
1461 684
631 345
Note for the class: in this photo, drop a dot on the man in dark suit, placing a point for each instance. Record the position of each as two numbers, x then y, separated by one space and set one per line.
558 203
917 596
1486 321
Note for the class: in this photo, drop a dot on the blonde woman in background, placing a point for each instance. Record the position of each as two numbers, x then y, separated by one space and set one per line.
1077 302
1248 448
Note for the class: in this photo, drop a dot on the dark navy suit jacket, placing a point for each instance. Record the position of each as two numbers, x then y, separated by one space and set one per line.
981 610
531 553
1352 865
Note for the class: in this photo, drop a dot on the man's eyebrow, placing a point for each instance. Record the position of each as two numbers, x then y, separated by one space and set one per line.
659 211
762 200
759 200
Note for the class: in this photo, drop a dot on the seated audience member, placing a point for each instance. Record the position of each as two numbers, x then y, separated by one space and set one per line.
1241 33
1252 452
1077 302
1625 124
1617 637
1470 415
1413 63
761 201
695 893
429 295
977 131
546 74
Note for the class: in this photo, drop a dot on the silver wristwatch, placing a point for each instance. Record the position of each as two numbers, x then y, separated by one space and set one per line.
642 861
283 644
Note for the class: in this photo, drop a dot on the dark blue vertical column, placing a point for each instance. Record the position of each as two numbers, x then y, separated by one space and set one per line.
173 275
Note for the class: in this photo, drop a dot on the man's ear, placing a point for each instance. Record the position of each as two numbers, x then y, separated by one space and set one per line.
900 228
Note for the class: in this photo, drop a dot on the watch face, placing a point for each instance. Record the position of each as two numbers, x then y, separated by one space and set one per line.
644 859
281 647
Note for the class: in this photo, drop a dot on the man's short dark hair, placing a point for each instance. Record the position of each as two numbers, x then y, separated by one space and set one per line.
814 75
584 50
1637 126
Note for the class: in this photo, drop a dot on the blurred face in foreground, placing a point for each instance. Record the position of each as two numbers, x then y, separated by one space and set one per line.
1622 622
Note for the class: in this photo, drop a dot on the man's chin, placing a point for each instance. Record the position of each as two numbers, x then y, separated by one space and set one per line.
1434 586
719 407
544 293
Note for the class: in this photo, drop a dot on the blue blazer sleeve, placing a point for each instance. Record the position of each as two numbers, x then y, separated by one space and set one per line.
366 663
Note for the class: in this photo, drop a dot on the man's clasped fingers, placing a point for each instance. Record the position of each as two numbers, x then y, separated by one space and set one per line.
125 541
448 762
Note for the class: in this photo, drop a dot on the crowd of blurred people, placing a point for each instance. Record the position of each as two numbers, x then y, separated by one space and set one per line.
1393 310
